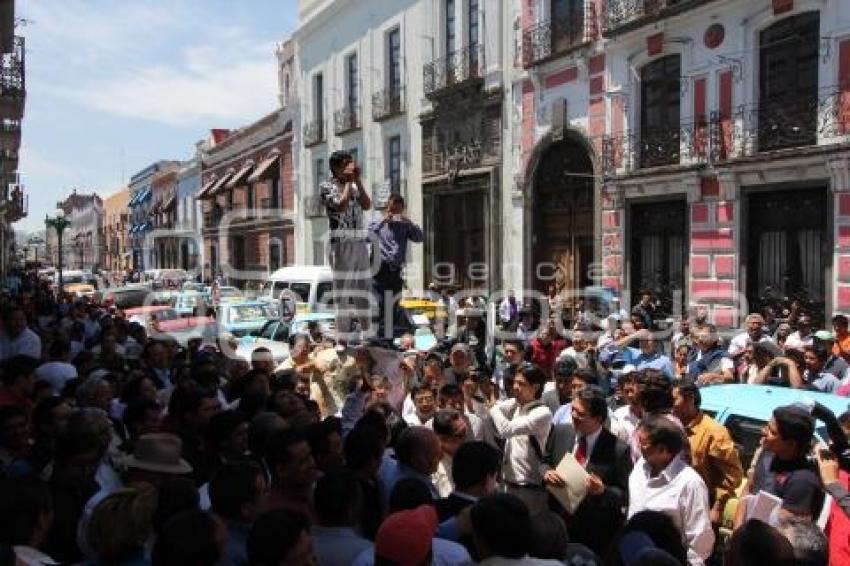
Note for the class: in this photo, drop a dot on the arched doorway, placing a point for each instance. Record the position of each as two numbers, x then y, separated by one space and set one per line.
563 215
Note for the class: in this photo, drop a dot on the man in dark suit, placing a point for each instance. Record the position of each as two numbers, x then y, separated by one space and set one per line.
605 457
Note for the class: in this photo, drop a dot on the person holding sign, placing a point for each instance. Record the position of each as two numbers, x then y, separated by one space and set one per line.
607 463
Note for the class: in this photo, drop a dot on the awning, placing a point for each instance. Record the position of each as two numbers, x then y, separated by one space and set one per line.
132 229
206 189
220 183
240 175
133 200
147 194
263 168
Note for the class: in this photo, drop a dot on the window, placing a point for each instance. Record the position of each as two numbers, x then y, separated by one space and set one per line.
249 196
394 163
394 59
320 174
788 82
274 256
274 191
324 295
319 99
450 26
472 32
659 112
351 81
746 434
567 24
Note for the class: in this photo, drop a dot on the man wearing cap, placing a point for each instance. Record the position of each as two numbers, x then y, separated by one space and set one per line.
156 457
783 469
345 199
753 333
835 364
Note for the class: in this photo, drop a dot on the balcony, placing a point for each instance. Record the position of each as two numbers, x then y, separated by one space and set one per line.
789 123
10 135
388 103
381 191
314 133
17 206
547 40
620 16
12 84
313 207
456 70
213 217
346 120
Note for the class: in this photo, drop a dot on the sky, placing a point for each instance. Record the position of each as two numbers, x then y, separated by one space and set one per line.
115 85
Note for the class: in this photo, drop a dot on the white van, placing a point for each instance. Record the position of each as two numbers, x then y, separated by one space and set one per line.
310 282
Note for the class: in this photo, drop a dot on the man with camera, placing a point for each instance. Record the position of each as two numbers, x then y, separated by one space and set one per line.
345 199
393 232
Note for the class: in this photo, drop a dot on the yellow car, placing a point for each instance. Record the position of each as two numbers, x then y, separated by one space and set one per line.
419 305
80 289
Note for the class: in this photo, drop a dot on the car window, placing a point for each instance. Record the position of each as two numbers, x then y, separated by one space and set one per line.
268 330
282 333
302 290
710 413
278 287
324 294
246 313
746 434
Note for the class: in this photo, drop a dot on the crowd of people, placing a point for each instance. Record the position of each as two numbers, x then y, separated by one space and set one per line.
121 448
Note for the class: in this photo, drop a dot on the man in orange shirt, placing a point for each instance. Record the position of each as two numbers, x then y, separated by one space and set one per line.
713 454
842 337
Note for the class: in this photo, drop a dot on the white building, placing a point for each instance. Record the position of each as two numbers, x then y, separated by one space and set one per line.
370 77
84 239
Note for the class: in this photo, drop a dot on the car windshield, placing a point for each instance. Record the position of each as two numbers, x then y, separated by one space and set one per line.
193 287
246 313
302 290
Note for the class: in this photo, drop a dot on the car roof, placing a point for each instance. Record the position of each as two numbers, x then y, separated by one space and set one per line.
308 316
759 401
293 272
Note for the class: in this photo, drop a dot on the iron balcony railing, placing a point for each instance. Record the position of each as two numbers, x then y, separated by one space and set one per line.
820 119
314 132
548 39
313 206
12 77
388 103
619 16
456 69
346 120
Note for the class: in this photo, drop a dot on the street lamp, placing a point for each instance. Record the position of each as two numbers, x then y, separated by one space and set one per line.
59 223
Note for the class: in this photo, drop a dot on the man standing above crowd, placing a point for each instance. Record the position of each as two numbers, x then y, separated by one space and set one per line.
345 200
393 232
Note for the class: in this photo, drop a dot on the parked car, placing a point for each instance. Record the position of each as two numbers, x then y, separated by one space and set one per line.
80 290
241 318
275 334
311 283
127 297
186 302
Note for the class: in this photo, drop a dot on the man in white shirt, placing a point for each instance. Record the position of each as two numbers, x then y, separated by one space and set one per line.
627 417
802 337
19 339
450 427
524 423
753 333
58 371
662 481
423 399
